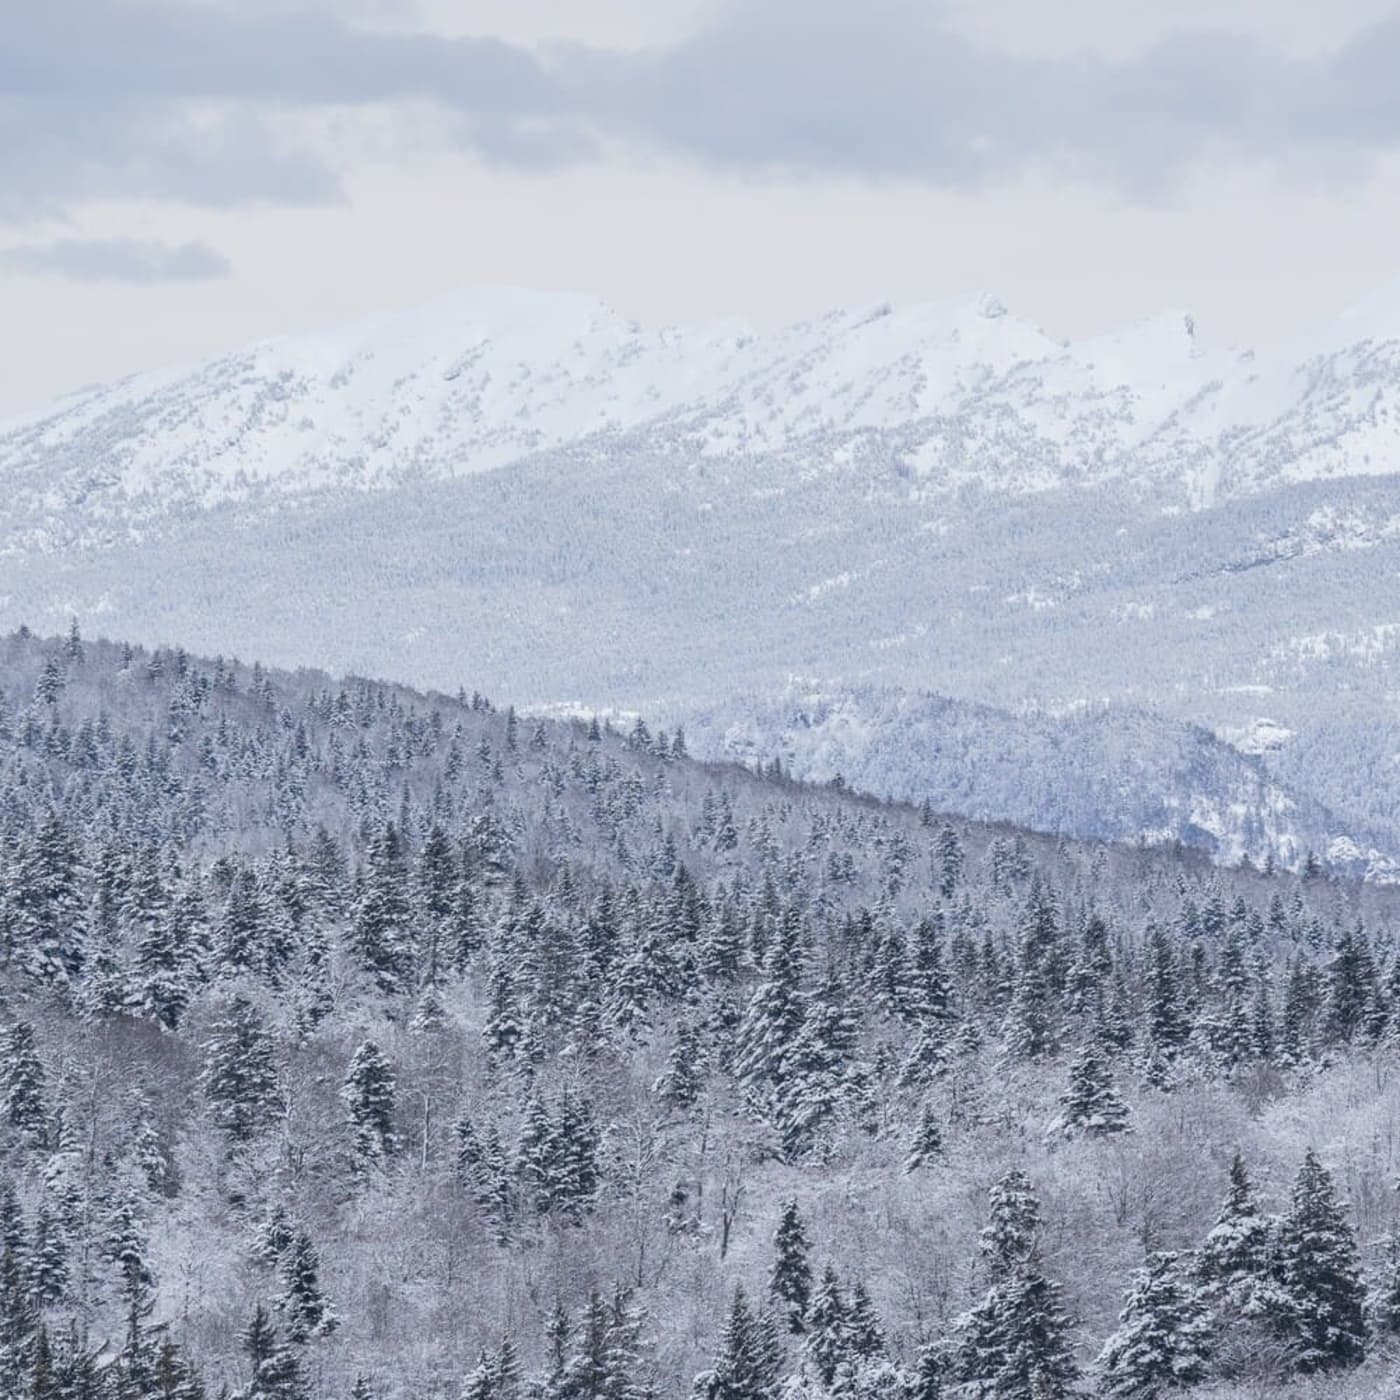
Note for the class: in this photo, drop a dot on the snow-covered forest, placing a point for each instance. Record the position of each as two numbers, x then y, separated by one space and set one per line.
365 1043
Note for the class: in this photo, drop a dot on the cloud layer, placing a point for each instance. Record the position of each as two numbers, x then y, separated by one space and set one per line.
130 260
193 101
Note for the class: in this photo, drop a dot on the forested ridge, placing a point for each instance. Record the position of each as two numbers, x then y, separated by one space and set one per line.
364 1043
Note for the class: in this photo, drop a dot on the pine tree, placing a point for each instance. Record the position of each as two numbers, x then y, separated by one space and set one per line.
744 1369
45 917
127 1247
588 1373
1163 1337
1017 1340
926 1144
23 1094
1317 1261
773 1018
926 1383
791 1279
368 1095
1235 1256
625 1365
380 933
302 1302
681 1082
48 1260
277 1372
173 1377
535 1159
1090 1105
240 1073
1385 1302
826 1343
18 1324
1013 1227
865 1338
574 1149
949 861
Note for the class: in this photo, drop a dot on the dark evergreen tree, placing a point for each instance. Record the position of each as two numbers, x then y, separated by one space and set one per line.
1091 1106
18 1324
380 938
1017 1341
1324 1312
926 1143
865 1338
826 1324
302 1303
743 1369
48 1260
926 1383
276 1370
1163 1339
681 1082
23 1092
368 1094
240 1073
1236 1254
791 1279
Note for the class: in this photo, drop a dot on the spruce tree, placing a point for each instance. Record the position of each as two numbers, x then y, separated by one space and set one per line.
791 1279
1163 1337
240 1073
18 1324
926 1143
302 1303
1013 1226
368 1095
865 1337
48 1260
23 1093
1016 1342
588 1374
681 1082
1235 1256
1091 1106
1385 1300
826 1343
276 1370
744 1368
380 938
1324 1314
926 1383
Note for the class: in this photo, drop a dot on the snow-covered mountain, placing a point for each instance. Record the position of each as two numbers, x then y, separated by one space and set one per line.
954 394
530 494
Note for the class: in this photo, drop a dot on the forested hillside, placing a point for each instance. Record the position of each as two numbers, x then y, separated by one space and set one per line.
364 1043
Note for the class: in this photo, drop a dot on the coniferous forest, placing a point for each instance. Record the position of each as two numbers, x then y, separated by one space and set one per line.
360 1044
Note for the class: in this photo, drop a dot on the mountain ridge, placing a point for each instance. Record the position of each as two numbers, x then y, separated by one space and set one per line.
953 393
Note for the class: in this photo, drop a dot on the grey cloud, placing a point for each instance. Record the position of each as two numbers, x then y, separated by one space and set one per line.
96 51
891 88
52 155
154 98
117 260
96 98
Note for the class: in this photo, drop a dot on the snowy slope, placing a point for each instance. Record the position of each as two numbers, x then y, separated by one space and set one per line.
954 394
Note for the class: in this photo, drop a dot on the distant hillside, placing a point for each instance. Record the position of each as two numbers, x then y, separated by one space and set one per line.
1110 774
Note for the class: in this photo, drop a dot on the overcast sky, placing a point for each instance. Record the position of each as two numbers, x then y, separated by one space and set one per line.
179 176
